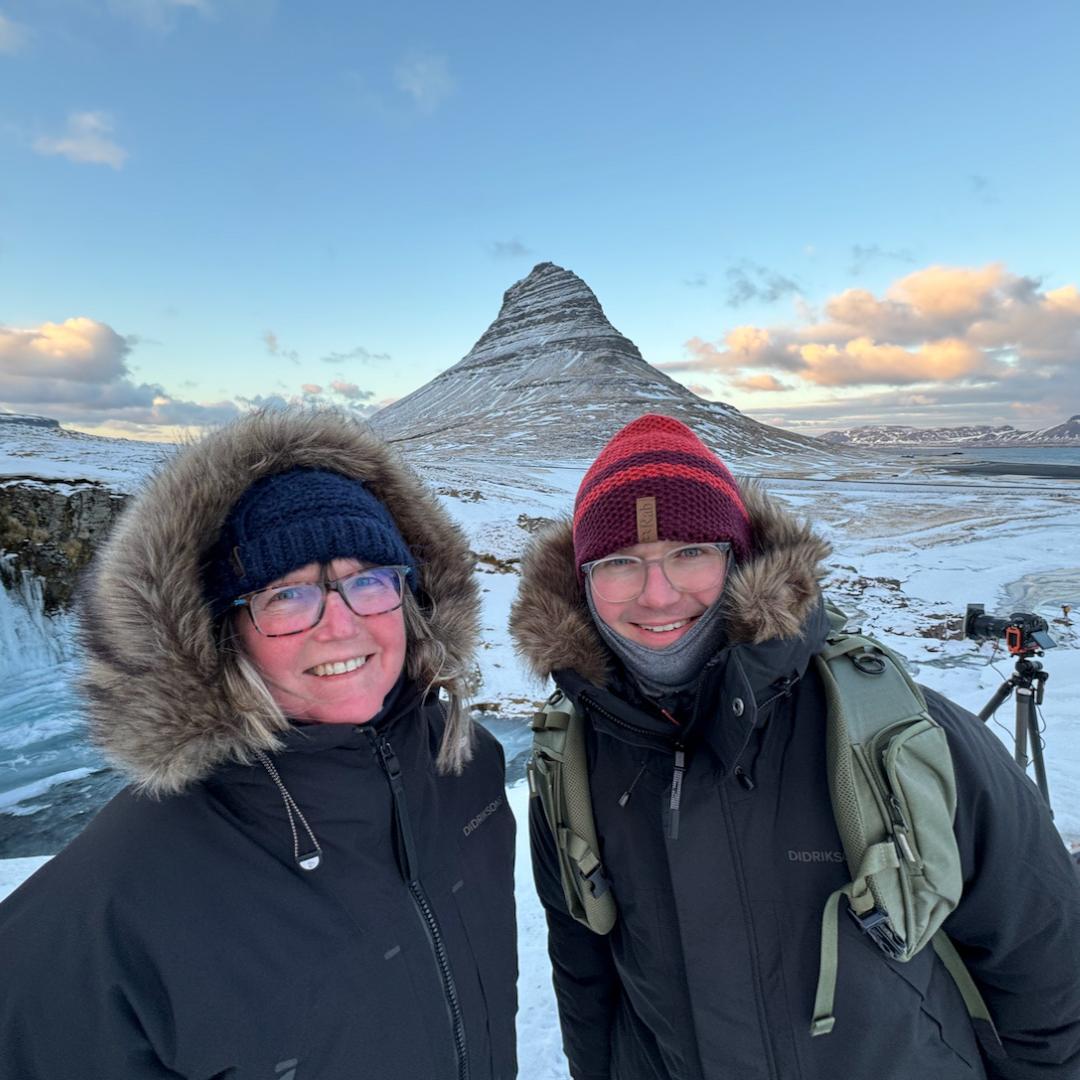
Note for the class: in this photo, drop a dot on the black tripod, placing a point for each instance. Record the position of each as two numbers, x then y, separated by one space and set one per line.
1029 682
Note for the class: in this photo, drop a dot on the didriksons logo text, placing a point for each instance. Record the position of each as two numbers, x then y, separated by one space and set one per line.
484 814
815 856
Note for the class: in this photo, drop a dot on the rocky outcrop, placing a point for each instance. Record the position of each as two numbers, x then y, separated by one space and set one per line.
50 529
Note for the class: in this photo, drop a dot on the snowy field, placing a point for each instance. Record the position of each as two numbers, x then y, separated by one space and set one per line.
911 550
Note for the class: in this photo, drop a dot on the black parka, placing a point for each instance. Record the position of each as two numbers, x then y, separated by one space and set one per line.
178 936
710 971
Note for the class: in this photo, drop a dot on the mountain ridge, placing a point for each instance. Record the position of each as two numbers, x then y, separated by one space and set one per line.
976 435
551 377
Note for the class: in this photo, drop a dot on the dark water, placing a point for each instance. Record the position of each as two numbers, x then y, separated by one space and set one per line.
1022 455
1047 462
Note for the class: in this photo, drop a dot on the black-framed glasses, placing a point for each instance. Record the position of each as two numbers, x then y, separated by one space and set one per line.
293 608
619 579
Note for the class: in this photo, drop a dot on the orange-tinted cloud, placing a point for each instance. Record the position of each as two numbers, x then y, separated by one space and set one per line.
863 362
937 325
752 383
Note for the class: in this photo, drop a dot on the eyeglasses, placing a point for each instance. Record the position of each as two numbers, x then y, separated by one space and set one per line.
619 579
291 609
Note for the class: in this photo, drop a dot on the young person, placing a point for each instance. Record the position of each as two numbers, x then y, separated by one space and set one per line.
679 613
290 889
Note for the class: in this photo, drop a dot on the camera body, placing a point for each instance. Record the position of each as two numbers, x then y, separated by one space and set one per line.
1025 634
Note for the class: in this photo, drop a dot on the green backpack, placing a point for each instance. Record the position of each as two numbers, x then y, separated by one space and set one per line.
893 794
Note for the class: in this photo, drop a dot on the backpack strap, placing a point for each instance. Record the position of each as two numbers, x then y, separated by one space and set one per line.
981 1020
893 792
559 777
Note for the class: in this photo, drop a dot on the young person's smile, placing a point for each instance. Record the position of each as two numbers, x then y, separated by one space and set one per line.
662 614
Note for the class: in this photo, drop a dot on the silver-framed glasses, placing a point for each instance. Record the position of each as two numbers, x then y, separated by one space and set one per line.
618 579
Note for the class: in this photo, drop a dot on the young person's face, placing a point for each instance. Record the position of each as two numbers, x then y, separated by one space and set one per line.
298 668
661 614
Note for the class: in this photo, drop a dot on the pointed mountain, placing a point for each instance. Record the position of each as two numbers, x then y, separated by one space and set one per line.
552 378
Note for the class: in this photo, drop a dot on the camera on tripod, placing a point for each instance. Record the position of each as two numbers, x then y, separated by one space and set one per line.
1025 634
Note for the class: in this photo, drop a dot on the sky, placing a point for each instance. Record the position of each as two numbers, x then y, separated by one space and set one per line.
826 215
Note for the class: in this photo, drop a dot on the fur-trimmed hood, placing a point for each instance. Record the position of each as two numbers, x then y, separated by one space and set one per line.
159 702
770 596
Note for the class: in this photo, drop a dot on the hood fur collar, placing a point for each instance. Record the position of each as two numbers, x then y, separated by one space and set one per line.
770 596
159 704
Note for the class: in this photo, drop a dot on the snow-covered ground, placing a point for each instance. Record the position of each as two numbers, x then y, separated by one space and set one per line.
911 550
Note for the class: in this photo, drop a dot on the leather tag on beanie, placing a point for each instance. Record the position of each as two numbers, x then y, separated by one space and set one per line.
646 520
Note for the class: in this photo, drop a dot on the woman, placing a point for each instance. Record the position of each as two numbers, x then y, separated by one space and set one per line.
680 612
311 876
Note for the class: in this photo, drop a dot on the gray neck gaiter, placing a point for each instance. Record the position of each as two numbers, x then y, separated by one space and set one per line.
673 668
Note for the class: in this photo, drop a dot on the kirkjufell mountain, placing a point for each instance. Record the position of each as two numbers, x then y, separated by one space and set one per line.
552 378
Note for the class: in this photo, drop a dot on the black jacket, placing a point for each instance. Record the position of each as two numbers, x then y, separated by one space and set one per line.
179 936
710 971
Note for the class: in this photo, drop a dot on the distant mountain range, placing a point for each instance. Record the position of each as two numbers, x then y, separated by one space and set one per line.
552 379
1066 434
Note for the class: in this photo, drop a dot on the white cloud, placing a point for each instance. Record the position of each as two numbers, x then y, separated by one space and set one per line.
13 35
426 79
77 370
87 141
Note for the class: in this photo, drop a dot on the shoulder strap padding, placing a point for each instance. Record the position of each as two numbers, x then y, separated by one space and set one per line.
559 776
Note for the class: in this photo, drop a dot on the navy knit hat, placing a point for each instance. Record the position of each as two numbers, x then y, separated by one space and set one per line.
288 520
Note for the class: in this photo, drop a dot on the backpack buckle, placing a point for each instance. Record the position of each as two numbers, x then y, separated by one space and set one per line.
875 924
596 881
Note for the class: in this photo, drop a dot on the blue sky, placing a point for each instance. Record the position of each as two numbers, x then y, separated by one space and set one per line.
825 214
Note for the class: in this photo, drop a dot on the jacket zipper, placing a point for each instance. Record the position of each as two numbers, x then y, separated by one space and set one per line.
676 792
755 963
410 872
677 775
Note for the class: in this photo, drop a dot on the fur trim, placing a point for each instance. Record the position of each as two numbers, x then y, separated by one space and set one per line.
160 705
771 595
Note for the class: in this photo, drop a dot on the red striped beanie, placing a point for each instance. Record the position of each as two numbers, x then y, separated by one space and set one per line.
656 480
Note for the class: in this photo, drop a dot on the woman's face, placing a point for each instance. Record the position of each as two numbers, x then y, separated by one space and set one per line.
297 668
662 614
